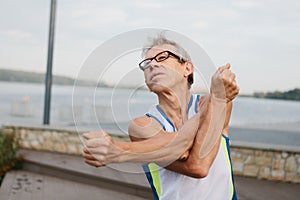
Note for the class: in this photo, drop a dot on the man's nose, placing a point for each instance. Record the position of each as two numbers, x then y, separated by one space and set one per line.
153 64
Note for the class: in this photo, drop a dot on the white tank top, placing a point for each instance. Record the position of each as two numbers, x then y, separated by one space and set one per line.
169 185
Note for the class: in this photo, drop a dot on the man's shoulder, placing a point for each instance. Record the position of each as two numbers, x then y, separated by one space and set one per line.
143 127
141 121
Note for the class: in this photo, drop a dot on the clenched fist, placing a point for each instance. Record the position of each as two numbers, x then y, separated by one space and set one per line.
223 84
100 149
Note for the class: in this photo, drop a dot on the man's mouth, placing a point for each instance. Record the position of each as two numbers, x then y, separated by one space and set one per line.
156 74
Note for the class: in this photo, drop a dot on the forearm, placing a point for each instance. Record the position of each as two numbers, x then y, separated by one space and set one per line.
210 128
227 119
163 147
194 166
158 149
197 165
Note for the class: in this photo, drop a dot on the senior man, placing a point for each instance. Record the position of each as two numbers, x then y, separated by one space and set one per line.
184 138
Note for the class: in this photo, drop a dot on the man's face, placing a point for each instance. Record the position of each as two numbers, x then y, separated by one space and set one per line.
165 74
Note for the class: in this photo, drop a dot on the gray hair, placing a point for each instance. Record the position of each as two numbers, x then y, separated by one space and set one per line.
182 53
161 40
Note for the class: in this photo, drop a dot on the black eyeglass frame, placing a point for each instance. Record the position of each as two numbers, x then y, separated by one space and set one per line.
155 57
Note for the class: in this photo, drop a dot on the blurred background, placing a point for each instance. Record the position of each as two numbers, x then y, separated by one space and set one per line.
259 38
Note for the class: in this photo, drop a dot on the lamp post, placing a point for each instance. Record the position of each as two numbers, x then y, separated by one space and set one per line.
48 82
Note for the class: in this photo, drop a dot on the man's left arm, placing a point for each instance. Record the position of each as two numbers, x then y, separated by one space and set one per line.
197 165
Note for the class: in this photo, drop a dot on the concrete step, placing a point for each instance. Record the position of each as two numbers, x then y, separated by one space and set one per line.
124 178
25 185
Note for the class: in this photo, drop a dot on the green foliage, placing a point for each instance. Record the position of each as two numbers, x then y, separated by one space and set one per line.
32 77
9 159
289 95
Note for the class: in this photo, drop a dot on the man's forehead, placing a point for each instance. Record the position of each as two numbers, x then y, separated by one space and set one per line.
157 49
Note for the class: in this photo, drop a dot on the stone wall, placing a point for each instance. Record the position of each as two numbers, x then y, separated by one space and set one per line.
254 160
46 138
278 163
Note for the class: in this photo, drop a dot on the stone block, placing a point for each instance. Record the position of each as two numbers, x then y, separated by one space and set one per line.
40 138
23 134
259 153
250 160
277 155
60 147
284 154
277 175
291 165
47 135
263 161
278 164
24 144
247 151
296 179
297 157
71 148
56 137
22 131
264 173
64 140
39 132
238 167
35 144
235 154
80 149
74 139
8 131
238 157
270 154
48 145
251 170
31 136
290 177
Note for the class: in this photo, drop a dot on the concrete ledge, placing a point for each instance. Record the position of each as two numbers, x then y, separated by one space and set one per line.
263 146
74 129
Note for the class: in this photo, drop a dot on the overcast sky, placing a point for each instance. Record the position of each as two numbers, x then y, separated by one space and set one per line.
260 38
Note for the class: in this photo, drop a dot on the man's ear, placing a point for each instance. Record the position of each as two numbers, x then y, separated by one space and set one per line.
189 68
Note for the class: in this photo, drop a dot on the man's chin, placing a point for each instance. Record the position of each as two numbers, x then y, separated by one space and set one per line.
157 87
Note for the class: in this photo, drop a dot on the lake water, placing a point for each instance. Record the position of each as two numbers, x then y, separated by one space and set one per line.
23 103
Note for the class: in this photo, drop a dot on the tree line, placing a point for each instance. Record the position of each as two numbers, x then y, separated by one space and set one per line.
287 95
33 77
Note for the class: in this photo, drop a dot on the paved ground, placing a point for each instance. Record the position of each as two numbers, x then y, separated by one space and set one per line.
30 186
253 189
24 185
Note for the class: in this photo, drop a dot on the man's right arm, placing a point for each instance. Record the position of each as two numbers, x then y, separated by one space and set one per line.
162 148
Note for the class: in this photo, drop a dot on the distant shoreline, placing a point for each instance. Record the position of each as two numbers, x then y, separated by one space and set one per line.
7 75
287 95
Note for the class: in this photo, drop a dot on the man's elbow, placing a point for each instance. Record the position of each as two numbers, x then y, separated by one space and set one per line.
199 171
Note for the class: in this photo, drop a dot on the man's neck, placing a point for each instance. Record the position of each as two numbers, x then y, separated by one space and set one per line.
174 104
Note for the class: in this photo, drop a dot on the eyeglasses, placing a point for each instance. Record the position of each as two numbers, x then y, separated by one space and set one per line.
158 58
